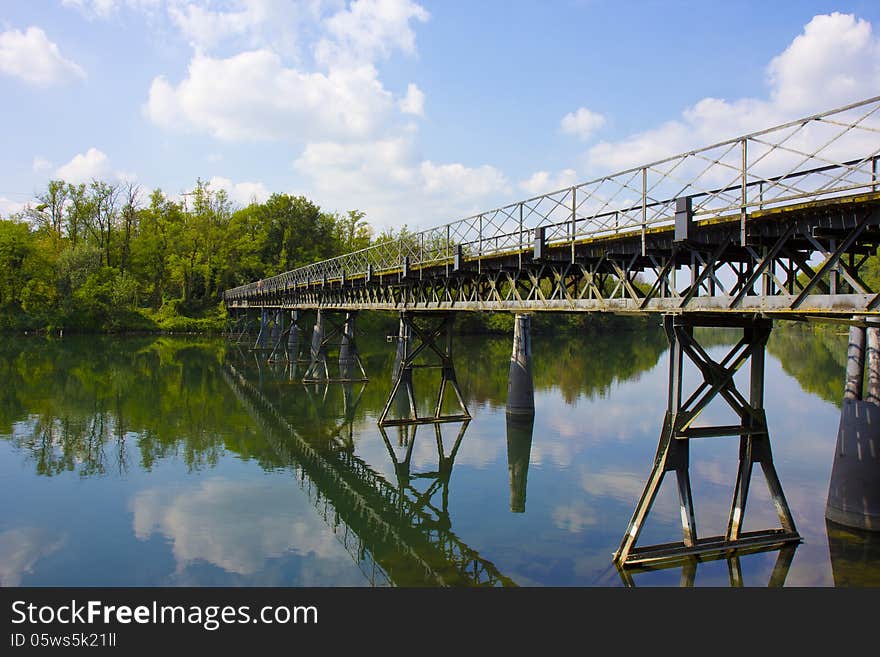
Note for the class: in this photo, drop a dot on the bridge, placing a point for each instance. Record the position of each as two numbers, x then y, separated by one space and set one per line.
778 224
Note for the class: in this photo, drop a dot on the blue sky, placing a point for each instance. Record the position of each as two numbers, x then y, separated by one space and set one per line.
416 112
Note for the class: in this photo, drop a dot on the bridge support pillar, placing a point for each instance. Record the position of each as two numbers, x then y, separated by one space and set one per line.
348 355
673 454
520 390
404 344
294 337
854 487
519 447
403 380
349 359
263 335
277 334
317 370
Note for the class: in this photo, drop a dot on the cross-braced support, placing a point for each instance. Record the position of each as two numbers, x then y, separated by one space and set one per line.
404 375
678 430
349 358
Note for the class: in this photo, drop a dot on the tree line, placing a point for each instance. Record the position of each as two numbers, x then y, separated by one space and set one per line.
105 256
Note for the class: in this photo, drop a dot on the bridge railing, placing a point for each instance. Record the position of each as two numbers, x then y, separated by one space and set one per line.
820 156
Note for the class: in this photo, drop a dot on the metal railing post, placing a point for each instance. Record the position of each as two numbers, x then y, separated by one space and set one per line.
519 250
480 246
743 191
644 209
573 219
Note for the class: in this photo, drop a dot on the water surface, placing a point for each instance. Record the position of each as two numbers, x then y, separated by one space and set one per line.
153 461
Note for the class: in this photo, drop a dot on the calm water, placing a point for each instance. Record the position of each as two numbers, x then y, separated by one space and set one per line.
165 461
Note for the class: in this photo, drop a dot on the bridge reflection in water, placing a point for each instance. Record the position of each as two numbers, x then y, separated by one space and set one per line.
396 534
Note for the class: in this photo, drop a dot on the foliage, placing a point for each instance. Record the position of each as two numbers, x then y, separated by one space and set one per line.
103 256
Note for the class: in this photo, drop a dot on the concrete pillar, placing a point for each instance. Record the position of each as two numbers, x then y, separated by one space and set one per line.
317 354
855 363
347 348
854 488
264 328
519 447
293 337
872 363
520 391
276 328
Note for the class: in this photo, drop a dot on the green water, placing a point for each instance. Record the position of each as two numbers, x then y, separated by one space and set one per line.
145 461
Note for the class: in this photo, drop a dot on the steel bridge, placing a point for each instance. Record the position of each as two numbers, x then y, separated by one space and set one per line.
776 224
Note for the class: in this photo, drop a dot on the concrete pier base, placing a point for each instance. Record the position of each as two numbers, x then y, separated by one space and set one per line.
854 488
520 390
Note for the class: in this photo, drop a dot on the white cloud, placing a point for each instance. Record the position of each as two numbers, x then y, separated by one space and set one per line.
457 179
264 100
205 28
413 102
369 30
94 163
387 180
31 56
242 193
836 60
84 166
542 182
581 123
9 207
41 164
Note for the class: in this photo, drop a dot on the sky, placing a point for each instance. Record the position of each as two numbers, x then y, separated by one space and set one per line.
416 112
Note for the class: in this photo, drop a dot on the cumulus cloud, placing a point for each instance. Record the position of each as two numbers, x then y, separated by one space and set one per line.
413 102
248 24
394 186
542 182
85 166
9 207
32 57
369 30
94 163
241 193
834 61
264 100
582 123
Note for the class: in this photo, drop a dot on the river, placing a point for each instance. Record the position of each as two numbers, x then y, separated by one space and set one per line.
168 461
